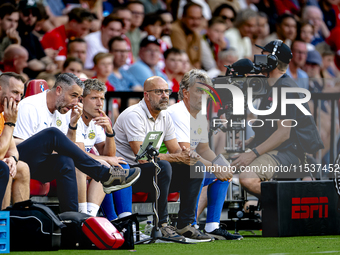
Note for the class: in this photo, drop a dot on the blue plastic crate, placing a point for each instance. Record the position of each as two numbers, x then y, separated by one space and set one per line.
4 232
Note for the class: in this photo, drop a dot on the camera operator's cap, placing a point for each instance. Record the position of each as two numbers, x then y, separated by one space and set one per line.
149 39
283 52
27 4
314 57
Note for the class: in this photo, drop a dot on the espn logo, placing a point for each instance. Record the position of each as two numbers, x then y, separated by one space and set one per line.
304 208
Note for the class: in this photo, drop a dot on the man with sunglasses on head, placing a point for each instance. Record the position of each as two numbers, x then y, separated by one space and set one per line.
131 128
37 60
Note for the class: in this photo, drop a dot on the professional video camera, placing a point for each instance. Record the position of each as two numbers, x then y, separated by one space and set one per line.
243 74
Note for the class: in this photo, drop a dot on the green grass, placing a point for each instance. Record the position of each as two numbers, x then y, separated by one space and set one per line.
249 245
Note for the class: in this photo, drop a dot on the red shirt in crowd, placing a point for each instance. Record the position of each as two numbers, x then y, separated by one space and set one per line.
109 86
57 40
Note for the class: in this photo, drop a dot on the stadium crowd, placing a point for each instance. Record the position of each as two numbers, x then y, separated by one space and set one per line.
85 48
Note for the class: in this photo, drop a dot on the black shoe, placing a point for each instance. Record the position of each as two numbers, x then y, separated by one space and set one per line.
223 234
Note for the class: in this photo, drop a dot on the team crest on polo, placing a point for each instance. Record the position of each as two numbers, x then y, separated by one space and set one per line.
58 122
199 131
91 135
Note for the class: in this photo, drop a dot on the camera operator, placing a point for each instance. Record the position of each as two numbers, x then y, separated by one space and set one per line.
276 145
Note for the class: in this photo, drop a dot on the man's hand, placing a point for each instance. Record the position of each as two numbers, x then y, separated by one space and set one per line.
51 53
243 159
115 161
77 111
223 175
13 35
188 156
10 110
12 164
104 122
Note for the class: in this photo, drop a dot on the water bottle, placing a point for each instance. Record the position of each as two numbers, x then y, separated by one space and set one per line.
148 228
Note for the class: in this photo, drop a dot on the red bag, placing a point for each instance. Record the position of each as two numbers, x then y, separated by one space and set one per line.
102 233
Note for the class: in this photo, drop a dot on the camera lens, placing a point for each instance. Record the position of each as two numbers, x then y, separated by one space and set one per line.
256 84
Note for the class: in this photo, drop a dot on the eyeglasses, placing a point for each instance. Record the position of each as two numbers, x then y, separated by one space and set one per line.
159 92
225 18
27 12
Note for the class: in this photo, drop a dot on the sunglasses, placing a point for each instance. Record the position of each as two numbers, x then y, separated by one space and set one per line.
225 18
27 12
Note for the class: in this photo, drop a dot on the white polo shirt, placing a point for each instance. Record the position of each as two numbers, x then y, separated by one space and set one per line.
189 129
34 116
134 123
89 135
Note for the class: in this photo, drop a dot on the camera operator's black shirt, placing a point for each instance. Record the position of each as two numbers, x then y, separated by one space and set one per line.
269 127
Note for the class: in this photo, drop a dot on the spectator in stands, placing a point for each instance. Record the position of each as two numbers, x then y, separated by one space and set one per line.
212 43
15 59
134 34
286 28
152 6
147 65
121 79
328 68
74 65
47 122
313 70
227 13
14 174
305 33
167 27
185 33
77 26
103 66
98 41
314 15
125 14
226 57
186 65
261 33
131 128
244 29
37 59
95 130
329 15
299 50
9 18
153 25
77 48
188 122
173 64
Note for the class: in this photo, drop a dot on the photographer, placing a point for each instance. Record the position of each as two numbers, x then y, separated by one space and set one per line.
277 144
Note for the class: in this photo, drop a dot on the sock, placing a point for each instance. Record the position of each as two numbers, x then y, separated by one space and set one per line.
124 214
92 209
108 207
82 207
211 226
217 192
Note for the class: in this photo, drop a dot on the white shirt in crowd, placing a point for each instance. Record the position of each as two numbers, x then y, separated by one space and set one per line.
34 116
94 46
134 123
89 135
189 129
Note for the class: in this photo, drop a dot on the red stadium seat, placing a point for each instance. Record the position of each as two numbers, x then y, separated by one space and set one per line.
173 197
38 188
35 87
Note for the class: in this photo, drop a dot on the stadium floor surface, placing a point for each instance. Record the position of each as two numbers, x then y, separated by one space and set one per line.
249 245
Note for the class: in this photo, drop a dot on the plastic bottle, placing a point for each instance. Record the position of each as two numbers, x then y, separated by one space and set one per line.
148 228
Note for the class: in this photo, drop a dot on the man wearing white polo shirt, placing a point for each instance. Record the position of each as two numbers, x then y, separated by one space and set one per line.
131 128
